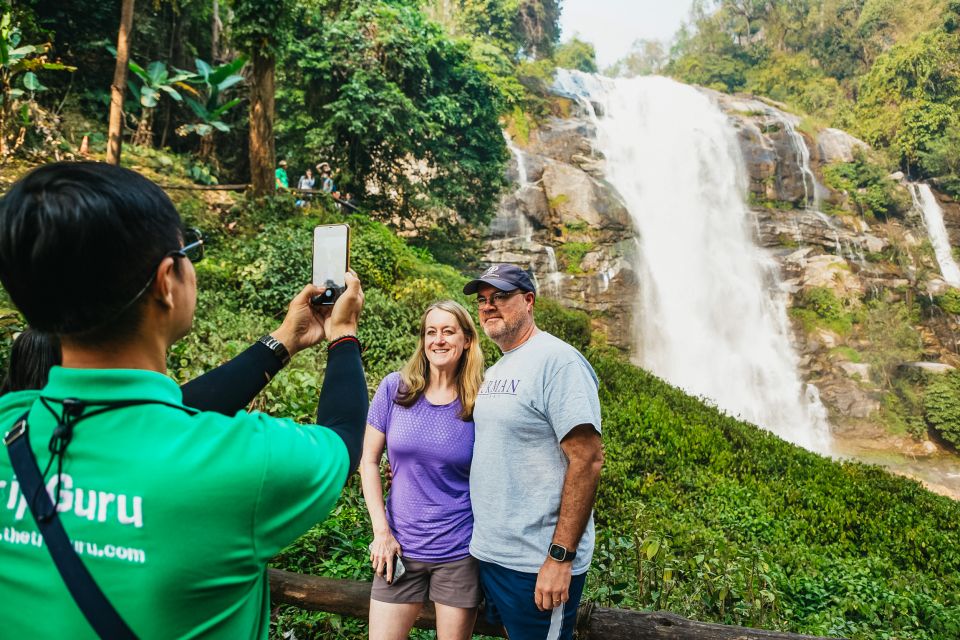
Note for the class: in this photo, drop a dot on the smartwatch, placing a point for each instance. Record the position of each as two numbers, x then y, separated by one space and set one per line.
277 347
560 554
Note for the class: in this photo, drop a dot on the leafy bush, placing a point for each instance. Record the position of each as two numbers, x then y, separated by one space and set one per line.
949 301
942 405
866 186
569 325
819 306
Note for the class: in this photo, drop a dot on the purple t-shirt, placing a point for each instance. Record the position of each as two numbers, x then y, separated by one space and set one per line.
430 449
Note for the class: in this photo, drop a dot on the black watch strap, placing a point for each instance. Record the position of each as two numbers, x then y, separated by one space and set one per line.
277 347
561 554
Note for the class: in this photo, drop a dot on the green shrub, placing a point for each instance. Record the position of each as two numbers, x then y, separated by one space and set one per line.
942 406
820 307
569 325
867 186
570 254
949 301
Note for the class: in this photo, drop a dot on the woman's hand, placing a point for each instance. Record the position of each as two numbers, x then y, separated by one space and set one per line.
383 550
305 324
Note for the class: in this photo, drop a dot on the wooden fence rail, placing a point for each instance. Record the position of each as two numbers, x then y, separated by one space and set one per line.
352 598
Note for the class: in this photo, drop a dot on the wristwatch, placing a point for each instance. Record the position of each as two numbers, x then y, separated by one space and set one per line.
277 347
560 554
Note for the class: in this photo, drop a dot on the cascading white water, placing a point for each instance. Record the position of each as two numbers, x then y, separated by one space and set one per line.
811 194
521 160
926 202
711 316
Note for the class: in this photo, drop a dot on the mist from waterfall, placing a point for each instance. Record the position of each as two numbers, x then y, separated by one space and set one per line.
711 317
926 202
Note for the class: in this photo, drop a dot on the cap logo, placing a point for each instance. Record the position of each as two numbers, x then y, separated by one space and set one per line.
491 271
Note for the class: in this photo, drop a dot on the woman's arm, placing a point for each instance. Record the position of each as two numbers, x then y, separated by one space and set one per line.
384 546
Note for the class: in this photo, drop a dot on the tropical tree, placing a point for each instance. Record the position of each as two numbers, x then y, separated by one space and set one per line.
115 126
261 29
210 108
156 78
18 78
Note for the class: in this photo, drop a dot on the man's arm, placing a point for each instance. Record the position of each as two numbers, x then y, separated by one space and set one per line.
584 450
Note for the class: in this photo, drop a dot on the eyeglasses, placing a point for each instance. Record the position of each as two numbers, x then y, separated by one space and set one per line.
192 250
497 298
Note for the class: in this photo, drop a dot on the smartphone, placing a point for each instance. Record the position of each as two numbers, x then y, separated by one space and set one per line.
331 260
398 569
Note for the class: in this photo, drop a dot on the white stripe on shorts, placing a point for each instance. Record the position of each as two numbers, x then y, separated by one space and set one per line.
556 622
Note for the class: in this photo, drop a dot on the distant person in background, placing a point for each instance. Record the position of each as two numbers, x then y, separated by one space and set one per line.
326 181
32 355
282 181
306 182
423 415
536 465
347 203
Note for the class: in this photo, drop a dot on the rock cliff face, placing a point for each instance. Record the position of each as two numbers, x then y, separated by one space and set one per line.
568 225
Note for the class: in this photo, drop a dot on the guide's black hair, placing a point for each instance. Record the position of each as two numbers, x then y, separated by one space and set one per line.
78 241
32 355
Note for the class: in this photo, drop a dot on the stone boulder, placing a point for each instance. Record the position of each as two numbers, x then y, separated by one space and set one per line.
835 145
561 140
576 198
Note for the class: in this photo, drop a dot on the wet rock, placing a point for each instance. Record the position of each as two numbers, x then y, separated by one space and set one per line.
935 368
856 370
838 146
562 139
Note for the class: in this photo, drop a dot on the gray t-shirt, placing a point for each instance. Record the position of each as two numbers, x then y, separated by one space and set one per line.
529 400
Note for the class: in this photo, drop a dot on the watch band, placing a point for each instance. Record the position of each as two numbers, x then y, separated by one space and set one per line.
277 347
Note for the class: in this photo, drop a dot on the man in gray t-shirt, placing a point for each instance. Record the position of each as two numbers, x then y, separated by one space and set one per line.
536 465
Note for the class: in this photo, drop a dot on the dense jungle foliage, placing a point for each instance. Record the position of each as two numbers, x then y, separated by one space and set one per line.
884 70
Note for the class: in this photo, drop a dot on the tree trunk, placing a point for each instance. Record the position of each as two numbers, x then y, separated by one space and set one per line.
261 123
115 131
215 28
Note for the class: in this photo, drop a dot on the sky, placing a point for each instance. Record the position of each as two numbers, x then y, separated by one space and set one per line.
612 25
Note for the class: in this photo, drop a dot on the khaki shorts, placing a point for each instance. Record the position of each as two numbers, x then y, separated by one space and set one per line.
455 584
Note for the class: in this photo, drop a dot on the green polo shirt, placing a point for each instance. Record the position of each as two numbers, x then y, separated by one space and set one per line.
175 515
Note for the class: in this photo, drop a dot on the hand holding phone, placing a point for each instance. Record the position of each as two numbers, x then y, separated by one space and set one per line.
331 260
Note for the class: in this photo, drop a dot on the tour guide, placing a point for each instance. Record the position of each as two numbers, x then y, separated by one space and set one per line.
536 465
174 512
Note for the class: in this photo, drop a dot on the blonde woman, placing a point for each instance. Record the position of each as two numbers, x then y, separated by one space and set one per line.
423 415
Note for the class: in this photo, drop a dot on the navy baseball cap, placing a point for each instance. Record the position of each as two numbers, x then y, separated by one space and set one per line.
505 277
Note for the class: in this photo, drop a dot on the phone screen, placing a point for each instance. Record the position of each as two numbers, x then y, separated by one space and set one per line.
331 255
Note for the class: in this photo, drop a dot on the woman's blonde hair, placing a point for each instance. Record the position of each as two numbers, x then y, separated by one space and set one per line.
415 374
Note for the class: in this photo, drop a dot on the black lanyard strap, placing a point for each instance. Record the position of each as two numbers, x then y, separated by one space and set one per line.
85 591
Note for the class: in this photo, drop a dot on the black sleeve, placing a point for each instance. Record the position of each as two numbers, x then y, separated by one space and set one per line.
232 386
343 398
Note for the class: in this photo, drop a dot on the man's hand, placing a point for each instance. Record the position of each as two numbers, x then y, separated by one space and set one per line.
304 324
553 584
346 310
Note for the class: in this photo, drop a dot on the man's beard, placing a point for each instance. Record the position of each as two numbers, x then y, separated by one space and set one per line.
506 334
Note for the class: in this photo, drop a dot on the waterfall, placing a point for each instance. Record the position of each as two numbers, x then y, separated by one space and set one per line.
926 202
520 157
711 316
811 194
512 234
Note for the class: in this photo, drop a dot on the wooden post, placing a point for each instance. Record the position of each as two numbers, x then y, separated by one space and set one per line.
352 598
115 130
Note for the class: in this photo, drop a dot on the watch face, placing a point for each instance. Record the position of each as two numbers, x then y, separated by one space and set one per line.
557 552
